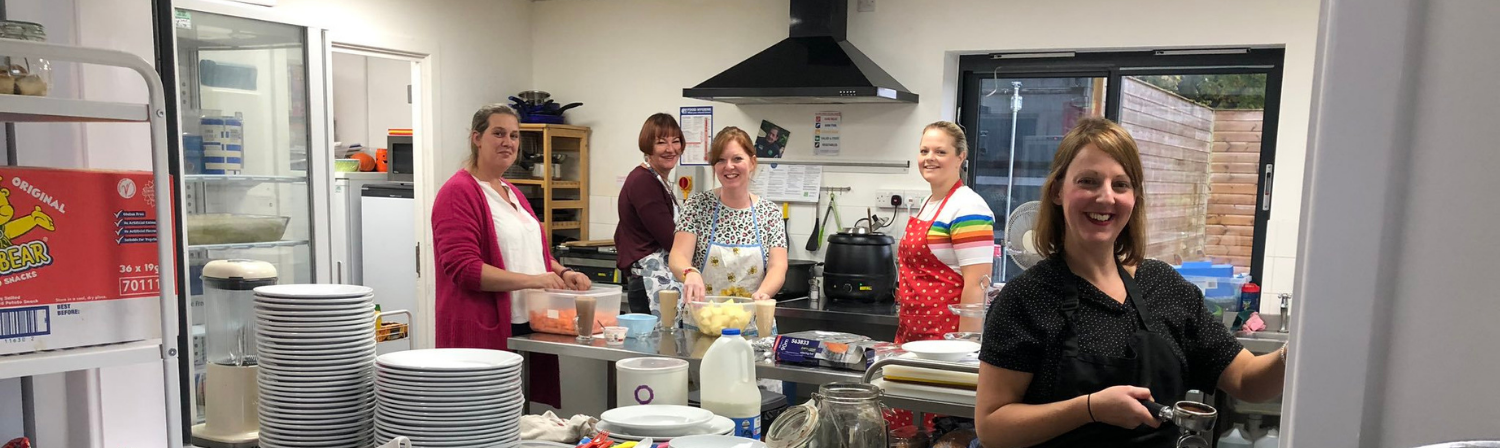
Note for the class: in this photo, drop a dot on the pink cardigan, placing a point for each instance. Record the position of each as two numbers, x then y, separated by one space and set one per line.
463 237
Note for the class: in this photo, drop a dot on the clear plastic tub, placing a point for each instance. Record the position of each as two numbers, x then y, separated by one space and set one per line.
226 228
553 310
1221 294
716 313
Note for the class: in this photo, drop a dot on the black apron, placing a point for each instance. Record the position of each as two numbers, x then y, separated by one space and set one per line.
1149 362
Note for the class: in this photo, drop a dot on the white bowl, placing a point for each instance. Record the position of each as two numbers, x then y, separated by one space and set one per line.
941 350
715 442
656 418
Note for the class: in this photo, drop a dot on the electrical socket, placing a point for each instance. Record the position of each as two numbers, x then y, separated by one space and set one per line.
899 198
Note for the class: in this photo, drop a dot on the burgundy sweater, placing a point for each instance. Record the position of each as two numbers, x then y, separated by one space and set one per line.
464 240
646 223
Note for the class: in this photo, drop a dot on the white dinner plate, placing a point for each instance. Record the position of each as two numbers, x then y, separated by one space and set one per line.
450 360
314 301
330 315
430 400
450 389
453 376
439 419
325 340
311 355
331 327
313 291
455 409
715 442
941 350
419 382
350 344
656 418
297 307
717 426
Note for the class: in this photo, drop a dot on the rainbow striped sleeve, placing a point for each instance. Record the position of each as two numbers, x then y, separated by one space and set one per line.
970 238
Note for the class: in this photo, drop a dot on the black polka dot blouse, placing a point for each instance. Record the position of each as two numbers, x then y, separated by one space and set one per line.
1023 328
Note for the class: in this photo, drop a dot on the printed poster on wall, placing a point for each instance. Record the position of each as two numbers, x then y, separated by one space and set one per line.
779 182
826 133
698 132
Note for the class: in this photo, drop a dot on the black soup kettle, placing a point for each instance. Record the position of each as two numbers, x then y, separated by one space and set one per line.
860 266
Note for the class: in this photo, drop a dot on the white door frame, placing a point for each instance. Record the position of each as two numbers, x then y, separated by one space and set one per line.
424 122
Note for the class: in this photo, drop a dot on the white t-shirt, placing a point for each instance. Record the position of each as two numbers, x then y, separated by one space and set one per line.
964 233
519 235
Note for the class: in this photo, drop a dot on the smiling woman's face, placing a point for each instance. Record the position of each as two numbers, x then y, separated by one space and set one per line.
1097 197
734 166
938 159
499 142
664 152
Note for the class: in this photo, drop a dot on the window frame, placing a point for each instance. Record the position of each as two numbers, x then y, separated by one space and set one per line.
1114 66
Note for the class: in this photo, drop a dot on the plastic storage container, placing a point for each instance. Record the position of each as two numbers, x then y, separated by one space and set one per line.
717 313
552 310
1221 294
641 381
227 228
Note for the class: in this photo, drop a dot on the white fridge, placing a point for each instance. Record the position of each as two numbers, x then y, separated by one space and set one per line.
388 247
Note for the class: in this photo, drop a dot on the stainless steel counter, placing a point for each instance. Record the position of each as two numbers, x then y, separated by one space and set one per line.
826 310
690 346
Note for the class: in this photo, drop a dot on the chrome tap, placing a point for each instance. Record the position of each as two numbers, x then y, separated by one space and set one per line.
1285 310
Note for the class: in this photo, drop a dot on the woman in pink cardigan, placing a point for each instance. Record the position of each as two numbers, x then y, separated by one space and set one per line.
488 242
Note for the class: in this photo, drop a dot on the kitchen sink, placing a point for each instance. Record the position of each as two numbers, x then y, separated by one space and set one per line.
1263 341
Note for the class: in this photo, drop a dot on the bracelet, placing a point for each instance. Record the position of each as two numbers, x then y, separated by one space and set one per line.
1283 353
689 269
565 271
1091 408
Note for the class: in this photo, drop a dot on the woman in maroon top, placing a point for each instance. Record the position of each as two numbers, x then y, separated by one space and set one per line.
648 215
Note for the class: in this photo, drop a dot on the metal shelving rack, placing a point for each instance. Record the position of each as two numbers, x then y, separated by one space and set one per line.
56 110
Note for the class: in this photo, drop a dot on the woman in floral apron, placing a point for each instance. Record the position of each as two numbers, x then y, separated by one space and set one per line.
648 216
948 248
729 242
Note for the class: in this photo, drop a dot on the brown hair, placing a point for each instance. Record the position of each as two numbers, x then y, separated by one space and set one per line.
960 143
657 126
1111 139
481 123
722 139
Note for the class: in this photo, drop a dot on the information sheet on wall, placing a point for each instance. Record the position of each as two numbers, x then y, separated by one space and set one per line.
826 133
787 183
698 132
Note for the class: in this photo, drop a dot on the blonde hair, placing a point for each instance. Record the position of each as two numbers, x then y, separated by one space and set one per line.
481 123
960 143
1111 139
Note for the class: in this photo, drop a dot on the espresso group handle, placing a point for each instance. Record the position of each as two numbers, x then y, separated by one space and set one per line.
1155 409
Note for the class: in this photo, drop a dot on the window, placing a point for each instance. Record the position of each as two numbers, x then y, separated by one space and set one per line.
1204 121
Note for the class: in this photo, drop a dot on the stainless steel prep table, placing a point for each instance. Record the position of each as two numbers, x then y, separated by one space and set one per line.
683 346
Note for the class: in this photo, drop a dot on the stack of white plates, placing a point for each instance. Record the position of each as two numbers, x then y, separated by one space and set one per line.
316 345
449 397
661 423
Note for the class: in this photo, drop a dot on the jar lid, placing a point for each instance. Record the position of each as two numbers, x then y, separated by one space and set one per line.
793 428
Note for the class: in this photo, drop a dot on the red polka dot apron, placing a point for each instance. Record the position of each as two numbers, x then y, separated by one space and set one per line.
927 286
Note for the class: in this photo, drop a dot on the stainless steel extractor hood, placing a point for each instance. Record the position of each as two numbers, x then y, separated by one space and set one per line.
815 64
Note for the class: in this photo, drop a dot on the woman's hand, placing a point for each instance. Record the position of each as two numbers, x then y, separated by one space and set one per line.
548 281
760 296
692 287
1121 406
577 281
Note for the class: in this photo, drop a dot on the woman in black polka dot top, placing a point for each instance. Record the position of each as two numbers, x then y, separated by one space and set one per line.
1074 344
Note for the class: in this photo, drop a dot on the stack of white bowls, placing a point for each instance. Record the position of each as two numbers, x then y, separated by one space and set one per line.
449 397
316 345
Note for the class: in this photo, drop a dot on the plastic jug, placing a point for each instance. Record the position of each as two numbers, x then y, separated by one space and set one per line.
1234 439
728 379
1272 439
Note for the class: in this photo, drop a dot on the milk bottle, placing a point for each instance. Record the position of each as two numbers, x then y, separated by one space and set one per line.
728 377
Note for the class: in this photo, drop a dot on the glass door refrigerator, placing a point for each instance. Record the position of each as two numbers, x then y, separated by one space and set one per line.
256 162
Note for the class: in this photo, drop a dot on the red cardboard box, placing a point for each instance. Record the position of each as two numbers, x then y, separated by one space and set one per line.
78 260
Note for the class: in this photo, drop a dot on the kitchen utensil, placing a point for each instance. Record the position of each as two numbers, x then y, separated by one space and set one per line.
941 350
657 418
449 397
345 165
227 228
315 385
816 239
565 107
1194 420
840 415
716 313
718 426
554 310
637 325
534 96
643 381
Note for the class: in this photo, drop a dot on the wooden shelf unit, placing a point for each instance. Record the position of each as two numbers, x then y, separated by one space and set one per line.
574 142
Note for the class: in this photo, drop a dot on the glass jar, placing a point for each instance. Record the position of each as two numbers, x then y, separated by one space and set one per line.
24 75
841 415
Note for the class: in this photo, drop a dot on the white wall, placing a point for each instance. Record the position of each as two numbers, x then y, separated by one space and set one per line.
1399 246
369 98
629 59
485 48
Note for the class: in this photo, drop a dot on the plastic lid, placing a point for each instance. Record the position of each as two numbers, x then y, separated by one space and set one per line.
652 364
730 332
239 269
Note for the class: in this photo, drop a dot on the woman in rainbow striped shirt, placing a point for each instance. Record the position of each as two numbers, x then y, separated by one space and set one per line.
948 247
